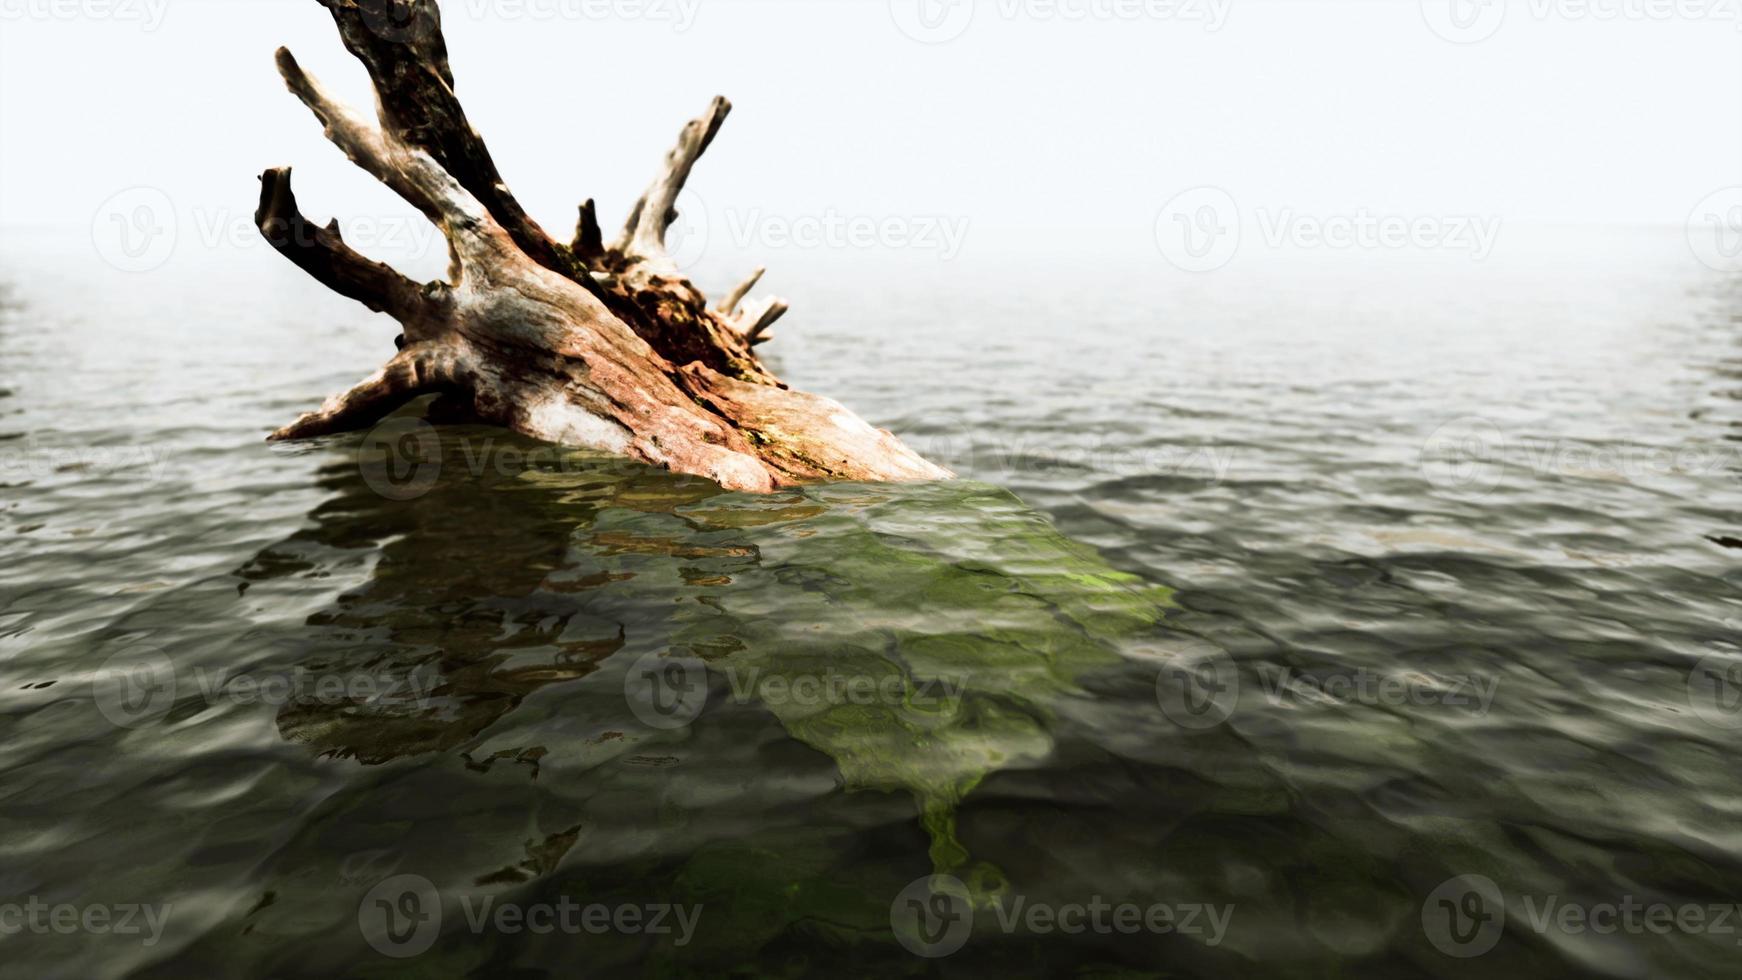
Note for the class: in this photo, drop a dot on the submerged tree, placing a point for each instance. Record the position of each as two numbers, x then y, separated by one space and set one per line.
590 343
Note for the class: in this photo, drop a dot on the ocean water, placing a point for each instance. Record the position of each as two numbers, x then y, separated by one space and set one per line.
1335 614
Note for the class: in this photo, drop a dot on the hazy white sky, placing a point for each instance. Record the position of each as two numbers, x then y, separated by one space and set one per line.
1050 124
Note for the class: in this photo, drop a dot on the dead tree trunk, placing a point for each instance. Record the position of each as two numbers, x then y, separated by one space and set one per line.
596 344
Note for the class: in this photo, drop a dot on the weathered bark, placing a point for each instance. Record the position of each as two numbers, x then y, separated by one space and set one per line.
587 343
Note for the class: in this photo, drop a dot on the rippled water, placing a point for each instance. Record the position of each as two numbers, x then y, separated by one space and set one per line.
1295 591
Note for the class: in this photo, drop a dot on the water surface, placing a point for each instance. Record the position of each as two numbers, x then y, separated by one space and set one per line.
1498 494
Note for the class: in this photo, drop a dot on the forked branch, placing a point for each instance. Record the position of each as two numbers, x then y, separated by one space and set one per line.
323 254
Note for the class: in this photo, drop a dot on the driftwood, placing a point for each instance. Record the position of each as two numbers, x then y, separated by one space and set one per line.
586 343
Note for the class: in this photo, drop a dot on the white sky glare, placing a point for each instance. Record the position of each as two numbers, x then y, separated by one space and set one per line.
1042 121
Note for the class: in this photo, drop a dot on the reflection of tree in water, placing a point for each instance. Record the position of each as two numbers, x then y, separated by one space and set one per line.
479 595
978 616
967 613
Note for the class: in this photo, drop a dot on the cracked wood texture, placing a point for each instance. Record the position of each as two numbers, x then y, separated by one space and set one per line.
586 343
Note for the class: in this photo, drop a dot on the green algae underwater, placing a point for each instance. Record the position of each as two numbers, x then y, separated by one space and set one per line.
918 638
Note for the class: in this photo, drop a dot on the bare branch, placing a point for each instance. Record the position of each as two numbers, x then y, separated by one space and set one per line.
323 254
417 370
589 242
644 235
728 307
759 316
